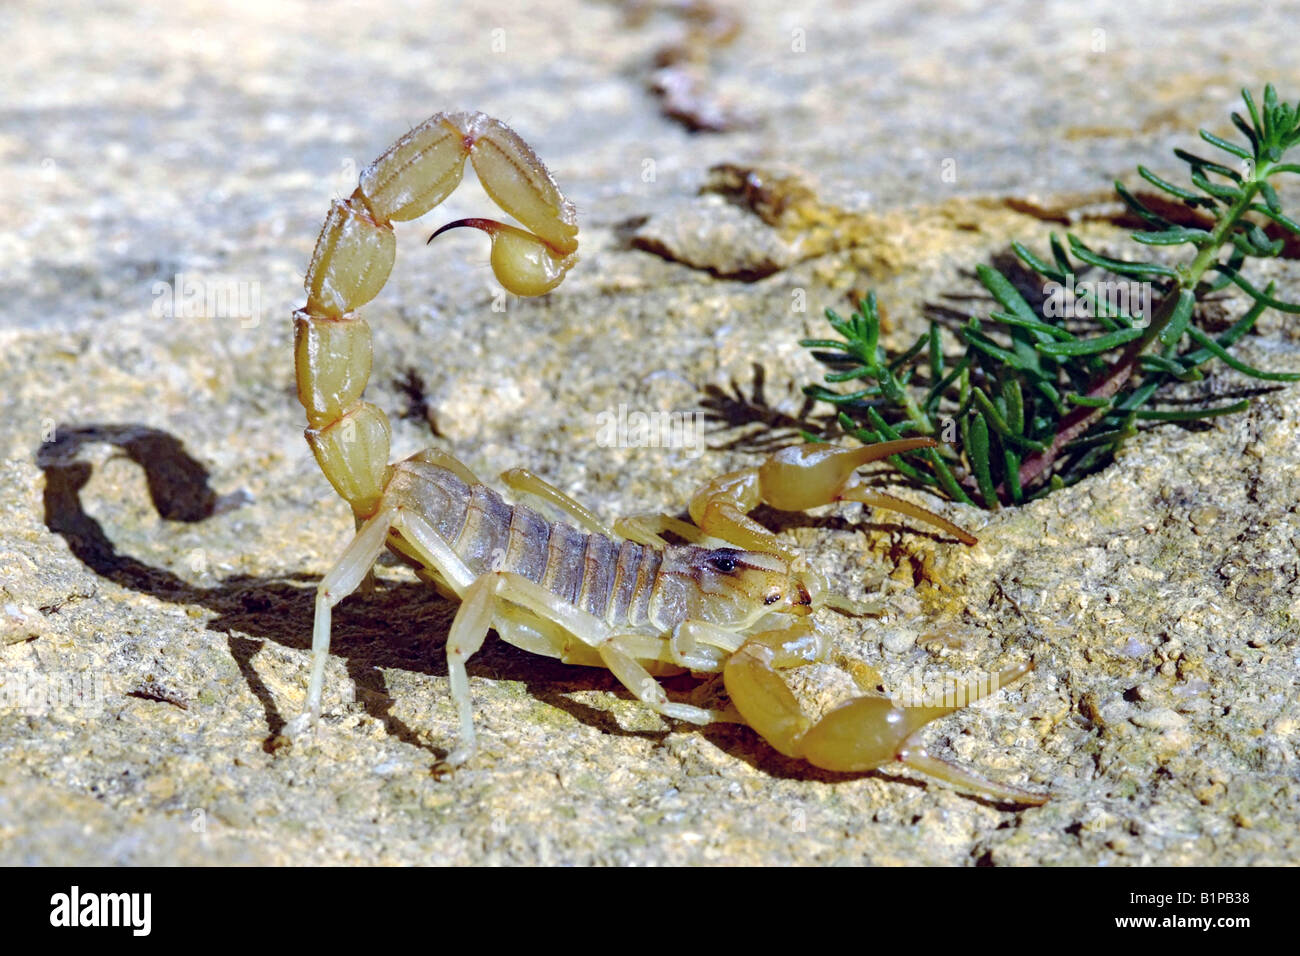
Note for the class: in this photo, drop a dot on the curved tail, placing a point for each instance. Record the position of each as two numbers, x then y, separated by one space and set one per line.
354 256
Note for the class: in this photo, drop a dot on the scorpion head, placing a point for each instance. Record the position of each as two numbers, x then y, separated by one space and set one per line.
738 587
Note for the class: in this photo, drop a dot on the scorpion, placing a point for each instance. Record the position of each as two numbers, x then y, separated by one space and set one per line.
733 598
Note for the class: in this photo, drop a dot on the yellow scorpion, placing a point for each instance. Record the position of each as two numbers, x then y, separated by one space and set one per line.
734 599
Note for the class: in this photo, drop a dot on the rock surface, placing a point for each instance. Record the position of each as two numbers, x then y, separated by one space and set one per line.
162 523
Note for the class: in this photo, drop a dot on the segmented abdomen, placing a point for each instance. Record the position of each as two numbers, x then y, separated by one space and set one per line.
613 580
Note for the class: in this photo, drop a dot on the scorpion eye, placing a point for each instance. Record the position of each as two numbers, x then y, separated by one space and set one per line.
772 597
723 561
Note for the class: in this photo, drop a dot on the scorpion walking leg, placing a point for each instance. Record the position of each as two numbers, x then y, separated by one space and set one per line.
341 581
468 631
644 529
443 459
469 627
525 482
861 734
648 529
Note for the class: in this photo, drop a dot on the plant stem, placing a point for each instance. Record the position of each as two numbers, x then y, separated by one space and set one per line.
1112 379
919 418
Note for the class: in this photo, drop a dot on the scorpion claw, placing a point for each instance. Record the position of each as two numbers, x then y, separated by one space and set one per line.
798 478
861 734
919 759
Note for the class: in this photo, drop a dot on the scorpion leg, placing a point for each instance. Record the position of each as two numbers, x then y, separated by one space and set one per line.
644 529
862 734
436 456
525 482
468 629
344 578
648 529
798 478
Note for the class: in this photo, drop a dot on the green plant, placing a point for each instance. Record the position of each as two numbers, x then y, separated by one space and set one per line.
1040 399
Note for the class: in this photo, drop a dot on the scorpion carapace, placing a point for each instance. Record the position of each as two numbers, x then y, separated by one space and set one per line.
734 599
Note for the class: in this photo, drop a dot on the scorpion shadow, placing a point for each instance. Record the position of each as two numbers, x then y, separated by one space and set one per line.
251 610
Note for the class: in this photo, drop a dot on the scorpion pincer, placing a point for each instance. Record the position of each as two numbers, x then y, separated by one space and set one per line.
734 599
